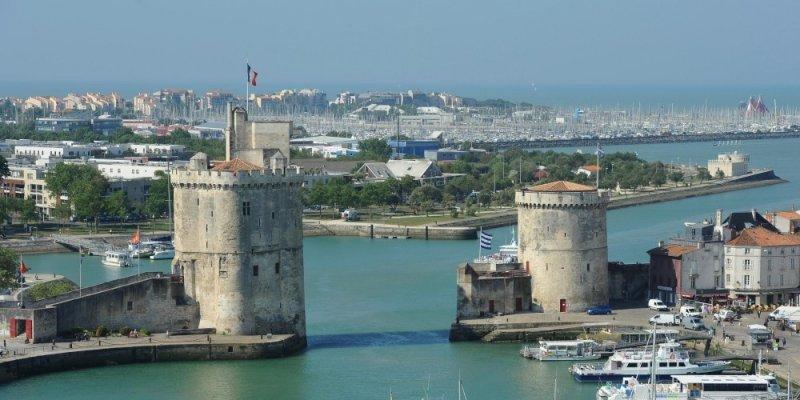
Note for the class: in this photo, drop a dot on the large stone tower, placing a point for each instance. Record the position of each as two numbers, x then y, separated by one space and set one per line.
562 243
239 232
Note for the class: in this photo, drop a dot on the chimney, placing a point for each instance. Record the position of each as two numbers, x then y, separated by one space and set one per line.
753 212
229 133
718 223
660 243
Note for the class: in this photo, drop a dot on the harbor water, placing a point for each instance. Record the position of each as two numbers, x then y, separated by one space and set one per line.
378 311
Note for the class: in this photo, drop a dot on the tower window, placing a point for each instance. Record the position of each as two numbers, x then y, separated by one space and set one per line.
198 201
277 268
587 267
273 215
246 208
255 270
130 306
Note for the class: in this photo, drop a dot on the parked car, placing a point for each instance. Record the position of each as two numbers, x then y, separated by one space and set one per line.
689 311
783 312
599 310
666 319
657 305
693 323
726 315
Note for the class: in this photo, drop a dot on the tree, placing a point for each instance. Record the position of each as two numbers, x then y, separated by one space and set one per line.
719 174
157 202
4 171
676 176
374 149
703 174
117 204
84 186
425 196
87 200
9 262
27 210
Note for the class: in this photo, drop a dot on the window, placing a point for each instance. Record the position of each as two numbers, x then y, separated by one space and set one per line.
587 267
746 264
246 208
130 306
255 270
273 215
781 279
277 268
716 280
747 251
727 278
769 280
747 280
693 282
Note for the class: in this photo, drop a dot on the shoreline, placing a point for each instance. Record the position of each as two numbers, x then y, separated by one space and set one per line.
577 142
52 358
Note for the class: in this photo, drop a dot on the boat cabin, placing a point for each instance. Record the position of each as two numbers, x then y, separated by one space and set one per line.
646 336
702 386
759 335
567 347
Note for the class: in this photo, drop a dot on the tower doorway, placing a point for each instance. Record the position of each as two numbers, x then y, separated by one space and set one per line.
562 305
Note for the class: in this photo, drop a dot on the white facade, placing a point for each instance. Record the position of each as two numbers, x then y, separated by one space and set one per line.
157 149
52 151
128 169
762 274
731 164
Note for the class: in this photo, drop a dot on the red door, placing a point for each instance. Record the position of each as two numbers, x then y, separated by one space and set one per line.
562 306
12 329
29 329
518 305
491 306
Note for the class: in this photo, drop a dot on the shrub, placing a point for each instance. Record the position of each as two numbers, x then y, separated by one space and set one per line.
144 332
471 212
101 331
49 289
454 213
125 331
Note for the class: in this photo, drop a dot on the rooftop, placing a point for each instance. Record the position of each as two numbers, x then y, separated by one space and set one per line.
235 165
673 250
760 236
561 186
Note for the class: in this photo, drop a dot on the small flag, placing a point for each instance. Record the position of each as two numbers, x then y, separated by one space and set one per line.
136 238
23 269
600 151
486 240
251 75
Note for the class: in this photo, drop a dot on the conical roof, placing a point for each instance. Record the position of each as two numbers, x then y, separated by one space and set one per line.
561 186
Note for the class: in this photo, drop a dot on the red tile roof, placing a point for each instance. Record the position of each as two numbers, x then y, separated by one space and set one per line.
591 168
561 186
236 165
759 236
676 250
790 215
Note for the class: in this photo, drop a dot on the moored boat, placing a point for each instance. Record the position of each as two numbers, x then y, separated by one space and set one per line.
689 387
670 359
117 258
163 254
562 350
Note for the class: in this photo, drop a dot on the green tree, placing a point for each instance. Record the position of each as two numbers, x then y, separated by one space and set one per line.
374 149
117 204
87 200
157 202
4 167
425 196
9 262
675 177
703 174
27 211
719 174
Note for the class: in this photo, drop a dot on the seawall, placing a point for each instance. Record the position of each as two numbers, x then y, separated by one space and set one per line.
193 349
366 229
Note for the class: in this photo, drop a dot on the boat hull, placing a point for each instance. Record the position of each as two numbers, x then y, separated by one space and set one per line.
663 375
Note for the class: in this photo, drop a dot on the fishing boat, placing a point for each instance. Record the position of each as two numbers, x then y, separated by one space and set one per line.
692 387
670 359
115 258
562 350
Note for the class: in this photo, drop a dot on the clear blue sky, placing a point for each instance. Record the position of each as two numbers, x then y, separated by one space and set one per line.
723 42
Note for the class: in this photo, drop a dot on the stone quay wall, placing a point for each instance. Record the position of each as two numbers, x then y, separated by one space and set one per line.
366 229
42 363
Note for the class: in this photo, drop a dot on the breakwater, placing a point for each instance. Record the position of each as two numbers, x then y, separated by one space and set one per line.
372 230
588 142
190 348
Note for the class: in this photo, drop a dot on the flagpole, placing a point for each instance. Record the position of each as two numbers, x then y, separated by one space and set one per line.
597 176
480 246
247 89
80 272
138 251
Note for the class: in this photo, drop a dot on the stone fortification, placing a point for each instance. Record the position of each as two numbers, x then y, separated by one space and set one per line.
563 245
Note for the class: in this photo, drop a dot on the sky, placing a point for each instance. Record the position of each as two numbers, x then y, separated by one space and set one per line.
402 43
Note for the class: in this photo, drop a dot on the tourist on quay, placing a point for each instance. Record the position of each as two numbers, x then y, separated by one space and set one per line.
783 341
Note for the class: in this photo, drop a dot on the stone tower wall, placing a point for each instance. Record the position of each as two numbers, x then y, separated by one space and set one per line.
563 243
244 268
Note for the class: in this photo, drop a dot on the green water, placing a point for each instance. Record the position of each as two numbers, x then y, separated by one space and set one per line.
378 312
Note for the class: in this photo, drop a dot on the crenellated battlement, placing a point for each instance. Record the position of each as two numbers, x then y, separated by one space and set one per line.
209 179
548 200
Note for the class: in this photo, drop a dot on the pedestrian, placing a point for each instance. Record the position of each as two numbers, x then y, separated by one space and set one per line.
783 341
758 312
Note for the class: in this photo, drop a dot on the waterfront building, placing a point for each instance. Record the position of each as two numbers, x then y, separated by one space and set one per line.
61 124
239 232
563 245
161 150
491 286
413 147
761 266
423 171
131 167
106 124
731 164
785 221
52 150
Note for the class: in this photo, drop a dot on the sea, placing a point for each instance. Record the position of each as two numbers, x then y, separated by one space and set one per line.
378 311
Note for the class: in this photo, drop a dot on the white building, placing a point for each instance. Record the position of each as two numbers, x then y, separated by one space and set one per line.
52 151
157 149
731 164
761 266
131 168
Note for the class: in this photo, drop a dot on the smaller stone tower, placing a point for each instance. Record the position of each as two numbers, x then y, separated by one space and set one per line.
562 244
239 232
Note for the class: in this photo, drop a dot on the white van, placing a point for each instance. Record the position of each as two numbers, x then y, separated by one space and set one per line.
665 319
783 312
689 311
657 305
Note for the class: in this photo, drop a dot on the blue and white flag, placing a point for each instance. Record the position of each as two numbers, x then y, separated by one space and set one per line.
599 152
486 240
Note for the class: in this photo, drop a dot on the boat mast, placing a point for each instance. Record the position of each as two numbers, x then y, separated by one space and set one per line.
653 365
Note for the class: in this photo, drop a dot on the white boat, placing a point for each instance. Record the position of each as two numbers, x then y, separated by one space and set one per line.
670 359
562 350
117 259
163 254
507 254
690 387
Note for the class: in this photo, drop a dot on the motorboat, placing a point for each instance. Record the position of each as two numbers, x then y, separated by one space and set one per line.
670 359
691 387
115 258
163 254
562 350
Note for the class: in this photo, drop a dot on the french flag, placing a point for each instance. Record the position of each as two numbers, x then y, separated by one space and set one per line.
251 75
